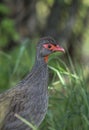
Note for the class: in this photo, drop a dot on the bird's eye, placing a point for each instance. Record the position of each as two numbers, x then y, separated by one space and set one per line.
49 46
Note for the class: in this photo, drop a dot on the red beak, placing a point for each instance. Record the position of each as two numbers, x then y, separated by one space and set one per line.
58 48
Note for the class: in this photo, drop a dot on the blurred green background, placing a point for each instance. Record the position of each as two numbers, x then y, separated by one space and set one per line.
22 23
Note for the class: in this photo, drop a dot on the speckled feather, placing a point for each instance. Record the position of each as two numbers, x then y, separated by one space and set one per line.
29 99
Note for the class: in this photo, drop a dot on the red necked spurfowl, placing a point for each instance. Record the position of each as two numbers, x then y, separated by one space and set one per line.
29 98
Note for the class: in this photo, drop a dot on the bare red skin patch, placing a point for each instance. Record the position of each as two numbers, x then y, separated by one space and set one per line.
46 58
49 46
52 47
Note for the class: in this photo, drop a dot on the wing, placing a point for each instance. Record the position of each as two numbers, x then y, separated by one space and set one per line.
25 101
4 106
12 102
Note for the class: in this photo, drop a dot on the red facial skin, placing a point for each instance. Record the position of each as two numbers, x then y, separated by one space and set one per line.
52 48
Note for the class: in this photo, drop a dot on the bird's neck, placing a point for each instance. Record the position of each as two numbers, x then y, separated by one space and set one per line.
39 72
40 67
40 63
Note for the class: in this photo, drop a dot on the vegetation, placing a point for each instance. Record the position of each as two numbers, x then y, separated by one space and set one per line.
69 100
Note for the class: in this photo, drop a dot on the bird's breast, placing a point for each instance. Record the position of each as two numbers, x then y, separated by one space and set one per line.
37 99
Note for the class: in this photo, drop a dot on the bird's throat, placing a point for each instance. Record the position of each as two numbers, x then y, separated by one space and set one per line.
46 58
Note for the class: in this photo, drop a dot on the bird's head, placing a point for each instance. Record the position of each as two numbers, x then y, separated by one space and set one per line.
46 46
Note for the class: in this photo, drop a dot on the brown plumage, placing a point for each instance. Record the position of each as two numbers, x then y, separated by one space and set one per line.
29 98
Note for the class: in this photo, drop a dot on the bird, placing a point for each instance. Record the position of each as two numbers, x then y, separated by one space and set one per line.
29 98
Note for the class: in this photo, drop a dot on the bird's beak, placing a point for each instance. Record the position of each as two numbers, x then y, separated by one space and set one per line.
58 48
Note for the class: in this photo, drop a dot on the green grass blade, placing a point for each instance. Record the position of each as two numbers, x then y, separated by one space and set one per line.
26 122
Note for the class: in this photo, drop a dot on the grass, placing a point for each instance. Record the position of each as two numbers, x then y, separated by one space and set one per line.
68 88
69 100
26 122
